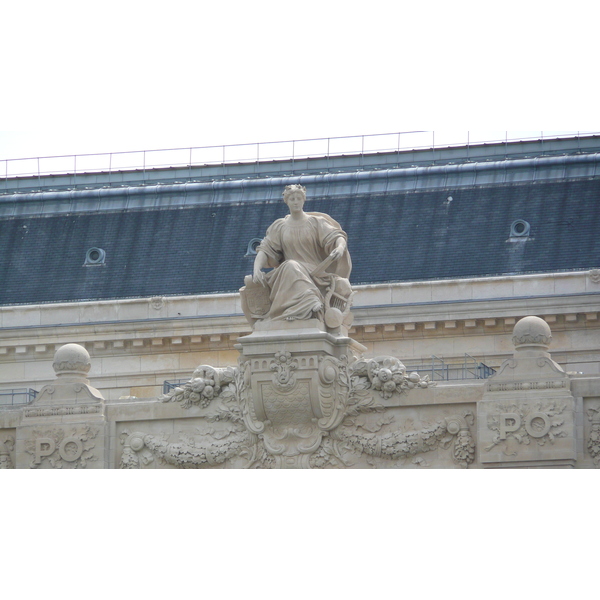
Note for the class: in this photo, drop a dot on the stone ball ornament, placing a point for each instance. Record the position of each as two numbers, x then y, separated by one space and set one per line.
531 333
72 359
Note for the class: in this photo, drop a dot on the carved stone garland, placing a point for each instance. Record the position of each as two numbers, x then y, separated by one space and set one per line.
285 423
397 445
5 449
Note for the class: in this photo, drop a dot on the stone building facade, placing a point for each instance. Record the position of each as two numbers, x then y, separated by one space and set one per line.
451 248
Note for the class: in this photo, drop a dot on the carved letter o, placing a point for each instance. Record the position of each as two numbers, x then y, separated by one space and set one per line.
531 431
63 452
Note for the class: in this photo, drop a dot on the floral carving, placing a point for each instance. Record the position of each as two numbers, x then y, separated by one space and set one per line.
71 365
532 338
70 447
396 444
387 375
283 367
463 452
206 384
5 449
329 454
593 444
188 452
294 417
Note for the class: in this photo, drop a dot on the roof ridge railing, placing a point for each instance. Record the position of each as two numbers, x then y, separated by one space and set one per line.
291 150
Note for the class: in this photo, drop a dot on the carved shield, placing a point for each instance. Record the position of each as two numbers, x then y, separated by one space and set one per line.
258 300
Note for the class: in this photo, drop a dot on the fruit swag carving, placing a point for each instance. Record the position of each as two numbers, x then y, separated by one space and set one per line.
309 412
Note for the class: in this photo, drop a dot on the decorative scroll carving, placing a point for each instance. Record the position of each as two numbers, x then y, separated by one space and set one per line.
5 449
72 365
593 444
532 338
206 384
303 400
245 399
72 447
334 389
285 407
283 366
541 424
329 454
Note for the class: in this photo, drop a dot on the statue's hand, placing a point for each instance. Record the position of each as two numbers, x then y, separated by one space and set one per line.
336 253
261 261
259 277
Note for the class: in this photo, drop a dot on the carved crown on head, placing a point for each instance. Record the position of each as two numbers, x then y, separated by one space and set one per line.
292 189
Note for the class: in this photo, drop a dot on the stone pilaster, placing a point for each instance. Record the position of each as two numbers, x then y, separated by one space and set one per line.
65 427
527 415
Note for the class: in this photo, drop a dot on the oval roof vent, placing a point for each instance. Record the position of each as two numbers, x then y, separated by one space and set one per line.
520 228
94 256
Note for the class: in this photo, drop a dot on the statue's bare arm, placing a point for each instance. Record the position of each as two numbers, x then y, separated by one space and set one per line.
260 263
339 249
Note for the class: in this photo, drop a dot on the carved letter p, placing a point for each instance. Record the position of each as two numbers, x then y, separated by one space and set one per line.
506 427
40 452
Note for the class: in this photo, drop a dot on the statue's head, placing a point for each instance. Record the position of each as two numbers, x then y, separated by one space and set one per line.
291 190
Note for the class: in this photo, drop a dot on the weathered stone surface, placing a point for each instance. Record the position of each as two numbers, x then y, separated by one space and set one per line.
527 416
65 426
303 393
304 398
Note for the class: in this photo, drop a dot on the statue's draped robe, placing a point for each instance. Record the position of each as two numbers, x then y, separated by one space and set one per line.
294 250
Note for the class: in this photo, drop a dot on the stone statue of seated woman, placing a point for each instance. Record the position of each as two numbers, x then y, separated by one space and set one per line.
310 262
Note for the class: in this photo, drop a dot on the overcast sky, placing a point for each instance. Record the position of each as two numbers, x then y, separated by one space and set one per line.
113 76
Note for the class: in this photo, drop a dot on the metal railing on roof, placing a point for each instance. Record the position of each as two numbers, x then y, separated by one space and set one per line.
17 396
169 385
439 370
289 150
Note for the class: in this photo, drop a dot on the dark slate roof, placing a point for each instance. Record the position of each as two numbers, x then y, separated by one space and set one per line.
392 237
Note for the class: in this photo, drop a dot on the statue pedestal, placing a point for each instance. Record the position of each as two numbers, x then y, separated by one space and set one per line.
295 387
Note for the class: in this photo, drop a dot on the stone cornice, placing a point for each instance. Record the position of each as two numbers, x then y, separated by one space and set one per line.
409 309
444 292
